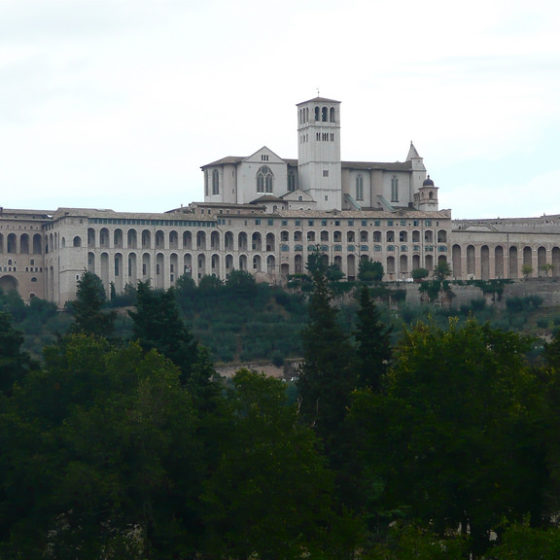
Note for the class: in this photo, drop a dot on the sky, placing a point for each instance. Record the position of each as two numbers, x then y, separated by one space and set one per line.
117 103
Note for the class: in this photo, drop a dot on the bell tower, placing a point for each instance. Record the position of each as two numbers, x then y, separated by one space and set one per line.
319 169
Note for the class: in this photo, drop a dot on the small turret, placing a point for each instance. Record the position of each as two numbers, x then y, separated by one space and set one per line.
426 199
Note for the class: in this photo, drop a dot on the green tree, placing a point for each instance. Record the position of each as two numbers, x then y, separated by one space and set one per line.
442 270
457 437
271 495
157 324
241 283
87 308
420 273
14 364
373 344
326 376
370 271
103 458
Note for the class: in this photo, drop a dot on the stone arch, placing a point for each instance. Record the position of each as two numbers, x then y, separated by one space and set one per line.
201 241
257 263
160 239
104 238
456 260
118 264
160 270
215 263
132 268
215 241
201 263
242 243
541 262
499 262
256 242
118 238
229 264
91 237
37 244
187 240
228 241
243 262
298 264
12 243
513 264
471 260
146 239
187 264
484 262
77 241
429 236
24 244
270 242
173 240
555 261
8 283
91 262
146 266
132 239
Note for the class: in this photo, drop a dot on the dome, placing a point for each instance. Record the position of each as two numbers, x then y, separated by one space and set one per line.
428 182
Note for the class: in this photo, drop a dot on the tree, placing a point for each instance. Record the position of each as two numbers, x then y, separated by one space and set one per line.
370 271
442 270
14 363
526 270
420 273
270 495
87 308
157 324
326 375
457 437
241 283
316 263
373 344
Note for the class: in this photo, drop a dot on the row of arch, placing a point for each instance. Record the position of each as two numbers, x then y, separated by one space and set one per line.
501 262
24 243
202 241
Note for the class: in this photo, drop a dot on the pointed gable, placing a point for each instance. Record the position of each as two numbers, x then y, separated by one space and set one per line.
412 153
264 155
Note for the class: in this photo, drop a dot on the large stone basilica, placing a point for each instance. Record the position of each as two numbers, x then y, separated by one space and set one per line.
264 214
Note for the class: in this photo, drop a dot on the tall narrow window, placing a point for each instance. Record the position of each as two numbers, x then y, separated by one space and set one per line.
317 110
291 181
324 114
206 182
331 114
394 189
264 179
215 182
359 188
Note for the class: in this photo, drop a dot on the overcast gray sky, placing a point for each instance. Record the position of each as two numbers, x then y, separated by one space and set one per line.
117 103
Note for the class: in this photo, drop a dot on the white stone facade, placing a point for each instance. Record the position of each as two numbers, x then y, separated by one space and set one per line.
265 214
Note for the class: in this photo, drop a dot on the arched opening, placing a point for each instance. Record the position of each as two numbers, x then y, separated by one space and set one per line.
91 237
132 268
456 260
228 241
173 267
215 241
229 264
484 262
242 242
470 260
351 267
77 241
442 236
160 271
131 239
104 238
257 263
146 239
270 242
555 261
429 262
541 262
528 260
270 265
201 262
242 262
118 264
256 242
104 270
8 283
187 265
146 266
216 265
118 238
201 241
12 248
298 264
403 265
513 265
160 243
187 240
499 262
91 262
24 244
37 244
173 240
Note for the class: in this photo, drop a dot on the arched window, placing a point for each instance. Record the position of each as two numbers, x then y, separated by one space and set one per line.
394 189
316 113
332 114
324 114
264 179
359 188
215 182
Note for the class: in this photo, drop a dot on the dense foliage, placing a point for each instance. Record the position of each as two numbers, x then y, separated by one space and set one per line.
440 441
